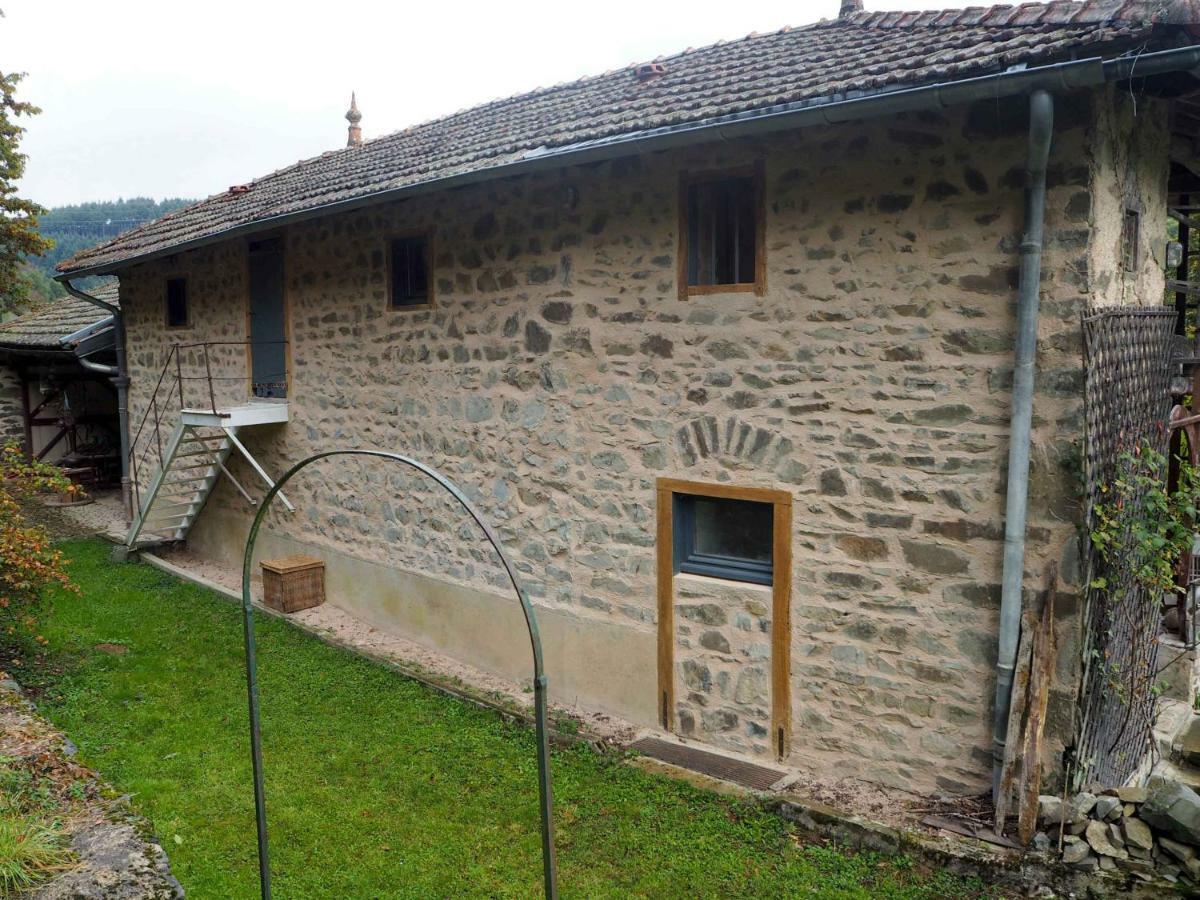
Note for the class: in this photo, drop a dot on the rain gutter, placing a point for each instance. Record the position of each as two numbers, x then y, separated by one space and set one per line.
829 110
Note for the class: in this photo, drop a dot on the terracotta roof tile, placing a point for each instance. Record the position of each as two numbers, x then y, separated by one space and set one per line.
864 52
44 327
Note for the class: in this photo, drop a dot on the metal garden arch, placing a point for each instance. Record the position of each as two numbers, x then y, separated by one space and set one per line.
539 675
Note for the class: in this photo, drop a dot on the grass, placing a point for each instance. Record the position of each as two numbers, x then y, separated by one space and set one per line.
376 786
33 802
30 849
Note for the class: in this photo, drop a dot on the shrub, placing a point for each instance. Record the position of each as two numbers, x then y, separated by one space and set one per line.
29 563
1143 526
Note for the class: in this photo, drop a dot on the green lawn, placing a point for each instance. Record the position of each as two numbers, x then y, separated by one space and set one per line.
377 786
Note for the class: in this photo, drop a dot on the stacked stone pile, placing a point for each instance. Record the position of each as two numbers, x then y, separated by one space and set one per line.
1150 832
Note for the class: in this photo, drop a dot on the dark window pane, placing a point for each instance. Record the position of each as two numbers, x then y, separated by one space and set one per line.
721 231
735 528
177 311
731 539
410 272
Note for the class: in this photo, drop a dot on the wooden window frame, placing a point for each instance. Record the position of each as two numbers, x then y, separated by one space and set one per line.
691 561
187 303
781 597
431 299
757 173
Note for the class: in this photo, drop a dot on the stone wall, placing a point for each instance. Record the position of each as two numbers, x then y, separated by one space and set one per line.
1131 161
559 375
723 651
12 417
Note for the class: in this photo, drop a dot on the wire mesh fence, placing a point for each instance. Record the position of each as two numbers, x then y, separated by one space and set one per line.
1127 365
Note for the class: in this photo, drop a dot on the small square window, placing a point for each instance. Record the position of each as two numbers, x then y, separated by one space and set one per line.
725 538
409 272
177 307
721 233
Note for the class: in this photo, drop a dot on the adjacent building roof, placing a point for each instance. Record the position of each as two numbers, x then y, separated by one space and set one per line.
861 53
45 327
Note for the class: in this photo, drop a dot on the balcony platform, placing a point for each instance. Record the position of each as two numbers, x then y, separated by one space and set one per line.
253 412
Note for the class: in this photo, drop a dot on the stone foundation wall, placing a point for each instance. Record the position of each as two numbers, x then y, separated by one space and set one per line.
559 375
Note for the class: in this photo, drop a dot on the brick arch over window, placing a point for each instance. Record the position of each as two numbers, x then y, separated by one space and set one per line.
708 437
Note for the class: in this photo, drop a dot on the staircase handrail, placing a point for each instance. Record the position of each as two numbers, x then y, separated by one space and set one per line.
155 405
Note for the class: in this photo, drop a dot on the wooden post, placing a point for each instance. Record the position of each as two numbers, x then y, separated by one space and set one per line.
1036 658
1041 674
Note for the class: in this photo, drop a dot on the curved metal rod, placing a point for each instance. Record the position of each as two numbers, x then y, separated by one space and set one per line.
539 676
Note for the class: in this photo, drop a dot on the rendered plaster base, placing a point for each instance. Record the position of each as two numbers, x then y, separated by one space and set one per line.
590 663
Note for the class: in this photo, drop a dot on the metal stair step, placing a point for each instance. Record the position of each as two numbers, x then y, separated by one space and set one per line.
189 465
174 505
208 452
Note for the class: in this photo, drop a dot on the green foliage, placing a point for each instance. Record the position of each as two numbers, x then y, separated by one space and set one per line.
1142 524
19 236
83 225
28 561
378 786
39 287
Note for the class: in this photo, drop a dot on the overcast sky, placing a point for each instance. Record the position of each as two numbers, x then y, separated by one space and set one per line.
160 98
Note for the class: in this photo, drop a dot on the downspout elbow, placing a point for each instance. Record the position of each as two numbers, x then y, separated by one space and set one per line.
110 371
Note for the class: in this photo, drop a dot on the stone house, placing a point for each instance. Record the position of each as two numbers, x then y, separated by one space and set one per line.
723 344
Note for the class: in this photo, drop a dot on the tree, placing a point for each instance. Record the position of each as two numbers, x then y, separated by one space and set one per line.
19 237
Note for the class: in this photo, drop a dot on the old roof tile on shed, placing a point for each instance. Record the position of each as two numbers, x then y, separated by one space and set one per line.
44 327
859 53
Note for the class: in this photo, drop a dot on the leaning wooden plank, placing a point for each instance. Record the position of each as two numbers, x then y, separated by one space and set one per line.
1041 674
1016 716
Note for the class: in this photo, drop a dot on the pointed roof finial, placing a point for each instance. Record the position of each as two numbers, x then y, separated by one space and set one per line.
353 116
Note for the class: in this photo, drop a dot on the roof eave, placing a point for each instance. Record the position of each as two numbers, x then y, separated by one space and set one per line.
830 110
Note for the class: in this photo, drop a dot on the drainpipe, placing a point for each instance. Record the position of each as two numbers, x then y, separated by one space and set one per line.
121 382
1041 128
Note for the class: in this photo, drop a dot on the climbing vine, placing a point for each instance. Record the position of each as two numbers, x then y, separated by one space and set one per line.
1143 524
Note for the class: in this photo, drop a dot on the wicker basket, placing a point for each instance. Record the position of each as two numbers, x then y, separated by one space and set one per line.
293 583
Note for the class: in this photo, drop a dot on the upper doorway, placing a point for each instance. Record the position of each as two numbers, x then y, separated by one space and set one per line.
268 320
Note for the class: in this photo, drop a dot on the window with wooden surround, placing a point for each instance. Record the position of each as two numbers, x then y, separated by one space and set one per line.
721 233
177 303
724 538
408 273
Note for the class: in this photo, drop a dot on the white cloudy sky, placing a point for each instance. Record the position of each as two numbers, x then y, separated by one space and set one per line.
161 98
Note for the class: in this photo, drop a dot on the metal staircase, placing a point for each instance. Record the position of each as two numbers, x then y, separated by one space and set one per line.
192 456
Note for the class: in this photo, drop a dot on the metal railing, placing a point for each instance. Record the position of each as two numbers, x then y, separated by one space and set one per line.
171 396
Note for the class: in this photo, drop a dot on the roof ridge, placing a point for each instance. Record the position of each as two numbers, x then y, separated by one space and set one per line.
1054 12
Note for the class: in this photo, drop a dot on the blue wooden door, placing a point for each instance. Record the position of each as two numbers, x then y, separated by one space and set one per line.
268 328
